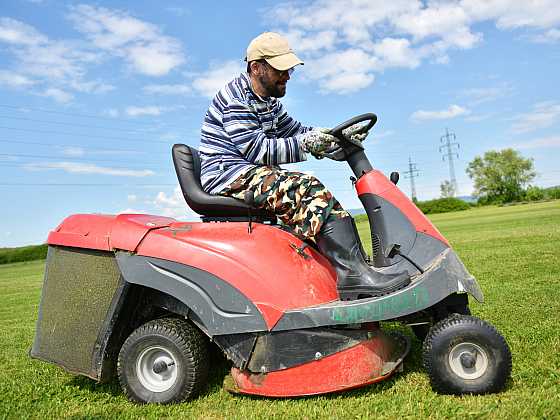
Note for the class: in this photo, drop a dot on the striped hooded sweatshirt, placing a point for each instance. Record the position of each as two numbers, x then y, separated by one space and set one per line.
241 131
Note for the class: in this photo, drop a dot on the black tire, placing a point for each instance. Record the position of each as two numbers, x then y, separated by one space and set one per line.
163 361
421 331
465 355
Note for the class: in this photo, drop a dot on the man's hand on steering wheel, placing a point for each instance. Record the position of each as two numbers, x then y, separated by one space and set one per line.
354 133
322 142
319 142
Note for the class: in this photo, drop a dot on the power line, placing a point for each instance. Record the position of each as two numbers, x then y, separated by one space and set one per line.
126 130
31 130
71 114
411 173
448 145
67 158
36 143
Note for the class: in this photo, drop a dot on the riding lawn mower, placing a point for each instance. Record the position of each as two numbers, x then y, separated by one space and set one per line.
146 296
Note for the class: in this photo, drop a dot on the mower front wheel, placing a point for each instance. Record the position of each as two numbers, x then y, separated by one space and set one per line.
465 355
163 361
421 331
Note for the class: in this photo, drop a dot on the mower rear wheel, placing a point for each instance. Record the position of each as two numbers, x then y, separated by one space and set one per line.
163 361
465 355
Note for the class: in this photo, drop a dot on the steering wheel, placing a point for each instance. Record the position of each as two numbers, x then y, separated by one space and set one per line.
347 145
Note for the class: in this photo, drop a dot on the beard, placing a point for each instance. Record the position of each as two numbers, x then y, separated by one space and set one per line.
274 89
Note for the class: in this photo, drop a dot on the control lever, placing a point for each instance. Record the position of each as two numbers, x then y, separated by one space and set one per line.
395 249
249 199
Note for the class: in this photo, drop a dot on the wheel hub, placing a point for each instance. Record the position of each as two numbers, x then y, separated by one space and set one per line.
157 369
468 360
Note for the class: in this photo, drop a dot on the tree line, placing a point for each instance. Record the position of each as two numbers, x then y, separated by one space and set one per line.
500 177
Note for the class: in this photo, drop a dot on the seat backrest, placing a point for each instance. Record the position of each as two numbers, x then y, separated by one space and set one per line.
187 166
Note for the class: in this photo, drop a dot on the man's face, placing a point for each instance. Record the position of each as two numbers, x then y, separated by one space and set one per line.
273 81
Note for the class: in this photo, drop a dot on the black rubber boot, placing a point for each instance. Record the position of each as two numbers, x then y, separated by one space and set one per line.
339 242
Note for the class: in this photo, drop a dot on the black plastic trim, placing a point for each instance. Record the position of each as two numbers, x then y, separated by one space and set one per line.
221 308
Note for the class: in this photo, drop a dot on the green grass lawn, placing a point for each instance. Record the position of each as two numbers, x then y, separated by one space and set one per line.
513 252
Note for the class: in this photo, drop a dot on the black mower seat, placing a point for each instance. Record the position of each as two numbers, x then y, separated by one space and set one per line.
187 165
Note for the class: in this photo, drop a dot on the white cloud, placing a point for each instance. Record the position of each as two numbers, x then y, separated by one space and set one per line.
381 134
15 80
447 21
399 33
173 137
174 205
549 37
58 95
347 82
394 52
84 168
217 76
309 43
91 86
544 114
140 43
73 151
131 198
342 71
541 143
178 89
132 211
451 112
52 68
510 14
135 111
18 33
478 96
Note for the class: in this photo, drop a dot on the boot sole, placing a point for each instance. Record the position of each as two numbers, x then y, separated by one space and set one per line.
357 293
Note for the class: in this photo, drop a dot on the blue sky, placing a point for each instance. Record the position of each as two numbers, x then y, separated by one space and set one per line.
93 95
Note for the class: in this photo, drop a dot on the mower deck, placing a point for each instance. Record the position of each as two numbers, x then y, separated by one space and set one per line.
370 361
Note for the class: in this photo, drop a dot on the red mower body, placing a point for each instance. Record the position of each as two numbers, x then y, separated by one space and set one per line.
375 182
263 265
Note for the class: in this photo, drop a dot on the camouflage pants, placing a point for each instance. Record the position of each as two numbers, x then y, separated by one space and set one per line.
299 200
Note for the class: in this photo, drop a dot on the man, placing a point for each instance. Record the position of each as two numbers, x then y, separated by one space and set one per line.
247 133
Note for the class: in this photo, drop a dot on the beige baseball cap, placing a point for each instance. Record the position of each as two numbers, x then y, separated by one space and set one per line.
273 48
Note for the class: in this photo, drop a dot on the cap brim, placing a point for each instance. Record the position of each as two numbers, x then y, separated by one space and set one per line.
284 61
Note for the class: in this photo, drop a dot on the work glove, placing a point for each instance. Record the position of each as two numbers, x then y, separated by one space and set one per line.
352 133
319 142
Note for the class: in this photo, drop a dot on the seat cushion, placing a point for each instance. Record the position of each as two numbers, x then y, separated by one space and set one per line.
187 166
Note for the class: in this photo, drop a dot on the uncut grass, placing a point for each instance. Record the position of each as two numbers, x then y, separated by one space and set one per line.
513 253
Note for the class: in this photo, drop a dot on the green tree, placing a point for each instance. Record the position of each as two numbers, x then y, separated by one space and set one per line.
534 193
447 189
499 176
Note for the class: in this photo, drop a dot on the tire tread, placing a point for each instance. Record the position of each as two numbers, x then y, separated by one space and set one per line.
190 342
454 320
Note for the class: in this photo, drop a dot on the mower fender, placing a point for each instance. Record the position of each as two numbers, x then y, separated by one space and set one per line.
446 276
470 286
219 307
